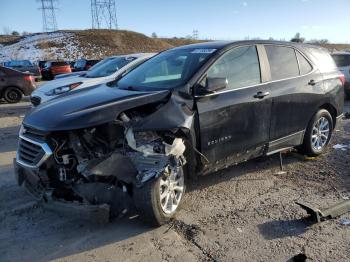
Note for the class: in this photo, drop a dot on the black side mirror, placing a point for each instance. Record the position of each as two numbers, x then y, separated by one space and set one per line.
213 84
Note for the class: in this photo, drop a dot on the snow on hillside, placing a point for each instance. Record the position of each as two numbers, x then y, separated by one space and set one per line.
57 45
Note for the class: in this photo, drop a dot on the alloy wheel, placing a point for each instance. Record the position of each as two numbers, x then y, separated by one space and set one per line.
171 189
320 133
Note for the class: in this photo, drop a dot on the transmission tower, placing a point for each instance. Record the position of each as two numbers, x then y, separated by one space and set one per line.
195 34
103 14
48 13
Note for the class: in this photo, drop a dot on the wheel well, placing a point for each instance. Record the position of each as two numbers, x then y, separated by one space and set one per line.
331 109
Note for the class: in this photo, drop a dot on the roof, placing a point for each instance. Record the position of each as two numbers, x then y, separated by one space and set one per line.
223 44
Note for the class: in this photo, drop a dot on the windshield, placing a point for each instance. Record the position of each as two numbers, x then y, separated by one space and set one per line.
108 66
167 70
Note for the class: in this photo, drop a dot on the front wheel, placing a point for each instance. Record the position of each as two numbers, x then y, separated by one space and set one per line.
159 199
318 133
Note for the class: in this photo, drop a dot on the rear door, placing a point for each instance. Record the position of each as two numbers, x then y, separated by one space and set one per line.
234 123
296 89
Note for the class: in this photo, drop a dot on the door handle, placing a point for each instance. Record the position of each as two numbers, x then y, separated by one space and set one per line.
261 94
312 82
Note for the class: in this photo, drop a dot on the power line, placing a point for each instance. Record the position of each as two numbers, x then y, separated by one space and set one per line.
48 14
103 14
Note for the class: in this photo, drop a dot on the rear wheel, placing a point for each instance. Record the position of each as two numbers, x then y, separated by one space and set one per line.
159 199
12 95
318 134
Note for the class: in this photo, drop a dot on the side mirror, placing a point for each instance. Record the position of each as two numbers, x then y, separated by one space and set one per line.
213 84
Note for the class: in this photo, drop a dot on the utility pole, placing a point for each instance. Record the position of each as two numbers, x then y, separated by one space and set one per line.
48 13
103 14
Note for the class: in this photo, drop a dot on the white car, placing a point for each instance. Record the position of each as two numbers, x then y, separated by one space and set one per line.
106 71
342 60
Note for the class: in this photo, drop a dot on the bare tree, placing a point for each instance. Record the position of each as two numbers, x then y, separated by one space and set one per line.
297 38
154 35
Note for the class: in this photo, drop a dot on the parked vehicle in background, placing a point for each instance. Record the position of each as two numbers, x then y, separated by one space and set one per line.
53 68
342 60
79 73
15 84
105 71
188 111
24 66
41 64
71 63
84 64
82 72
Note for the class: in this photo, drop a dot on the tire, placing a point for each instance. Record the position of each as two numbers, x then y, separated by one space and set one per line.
12 95
317 137
149 202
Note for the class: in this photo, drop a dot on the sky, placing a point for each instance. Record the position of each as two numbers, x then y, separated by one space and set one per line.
214 19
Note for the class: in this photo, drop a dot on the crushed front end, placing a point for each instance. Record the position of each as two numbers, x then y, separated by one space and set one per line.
101 166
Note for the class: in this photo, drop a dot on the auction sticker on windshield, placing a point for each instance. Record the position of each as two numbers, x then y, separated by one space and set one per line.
204 51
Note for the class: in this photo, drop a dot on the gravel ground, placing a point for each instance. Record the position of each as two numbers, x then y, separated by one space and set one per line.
244 213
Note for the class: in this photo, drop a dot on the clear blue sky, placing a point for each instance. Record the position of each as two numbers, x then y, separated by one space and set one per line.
225 19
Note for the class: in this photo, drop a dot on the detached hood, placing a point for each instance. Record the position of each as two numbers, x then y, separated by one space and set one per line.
88 107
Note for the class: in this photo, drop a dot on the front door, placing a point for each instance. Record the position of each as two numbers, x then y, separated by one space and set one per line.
235 122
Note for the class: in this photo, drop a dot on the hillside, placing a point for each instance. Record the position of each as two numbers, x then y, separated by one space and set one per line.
73 44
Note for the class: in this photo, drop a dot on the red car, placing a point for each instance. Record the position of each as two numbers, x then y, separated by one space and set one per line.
53 68
15 84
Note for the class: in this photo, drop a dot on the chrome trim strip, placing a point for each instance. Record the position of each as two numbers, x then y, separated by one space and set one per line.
245 87
284 137
44 146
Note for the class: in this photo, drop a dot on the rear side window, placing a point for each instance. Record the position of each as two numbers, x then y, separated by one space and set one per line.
342 60
240 66
322 59
283 62
304 65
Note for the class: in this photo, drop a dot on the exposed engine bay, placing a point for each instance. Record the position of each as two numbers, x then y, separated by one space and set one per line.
103 165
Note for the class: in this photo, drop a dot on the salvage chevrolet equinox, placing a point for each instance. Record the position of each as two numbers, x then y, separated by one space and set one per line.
187 111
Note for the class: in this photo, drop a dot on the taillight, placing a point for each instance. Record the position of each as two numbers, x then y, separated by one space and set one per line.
342 79
29 78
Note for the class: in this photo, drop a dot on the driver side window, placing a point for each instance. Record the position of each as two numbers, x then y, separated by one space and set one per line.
240 66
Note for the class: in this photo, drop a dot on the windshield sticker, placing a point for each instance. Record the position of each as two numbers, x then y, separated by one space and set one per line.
204 51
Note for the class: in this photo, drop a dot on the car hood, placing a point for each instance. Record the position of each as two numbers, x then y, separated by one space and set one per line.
88 107
68 81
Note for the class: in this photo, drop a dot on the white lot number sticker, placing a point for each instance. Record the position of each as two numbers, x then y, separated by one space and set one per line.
203 51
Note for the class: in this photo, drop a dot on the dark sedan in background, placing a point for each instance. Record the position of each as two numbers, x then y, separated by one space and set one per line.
24 66
15 84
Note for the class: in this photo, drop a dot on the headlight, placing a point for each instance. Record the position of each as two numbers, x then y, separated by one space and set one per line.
22 130
62 89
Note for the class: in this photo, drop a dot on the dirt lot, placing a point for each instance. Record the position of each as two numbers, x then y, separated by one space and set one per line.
246 213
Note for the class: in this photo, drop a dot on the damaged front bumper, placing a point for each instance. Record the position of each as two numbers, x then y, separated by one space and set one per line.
31 181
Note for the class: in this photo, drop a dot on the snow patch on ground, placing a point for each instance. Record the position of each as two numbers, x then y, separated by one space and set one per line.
45 46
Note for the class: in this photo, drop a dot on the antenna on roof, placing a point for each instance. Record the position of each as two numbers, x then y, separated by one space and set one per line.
103 14
48 13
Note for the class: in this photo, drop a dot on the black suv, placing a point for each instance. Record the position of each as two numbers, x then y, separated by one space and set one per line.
188 111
